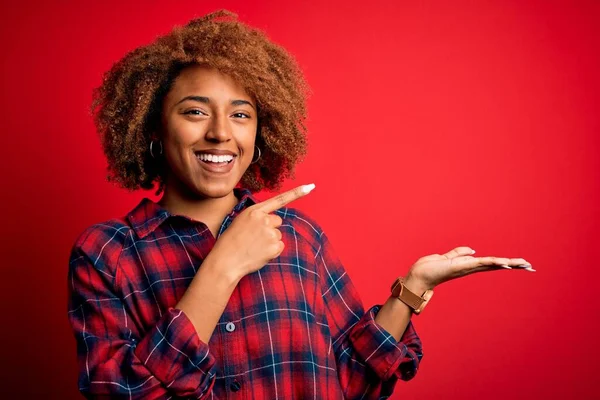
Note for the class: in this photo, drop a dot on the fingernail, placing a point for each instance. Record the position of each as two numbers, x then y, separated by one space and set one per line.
308 188
530 269
505 266
472 251
524 266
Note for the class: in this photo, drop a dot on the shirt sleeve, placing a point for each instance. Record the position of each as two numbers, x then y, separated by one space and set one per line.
115 360
369 359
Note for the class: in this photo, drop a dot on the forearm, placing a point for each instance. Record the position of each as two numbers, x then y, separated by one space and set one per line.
118 360
372 353
394 315
207 296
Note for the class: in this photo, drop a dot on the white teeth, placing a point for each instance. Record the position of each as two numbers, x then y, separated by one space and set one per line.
214 158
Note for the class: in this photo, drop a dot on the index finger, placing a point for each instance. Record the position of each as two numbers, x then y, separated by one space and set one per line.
284 198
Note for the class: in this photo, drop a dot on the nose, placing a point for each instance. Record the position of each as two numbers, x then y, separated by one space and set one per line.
219 129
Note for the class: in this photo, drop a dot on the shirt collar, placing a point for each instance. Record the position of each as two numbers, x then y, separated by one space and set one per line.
149 215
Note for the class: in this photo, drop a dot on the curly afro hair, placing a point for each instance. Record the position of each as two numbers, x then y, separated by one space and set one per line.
128 103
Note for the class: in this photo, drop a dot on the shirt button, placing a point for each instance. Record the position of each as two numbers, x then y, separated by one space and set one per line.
235 386
230 327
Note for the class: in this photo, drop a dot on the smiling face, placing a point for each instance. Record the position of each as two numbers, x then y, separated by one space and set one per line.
209 127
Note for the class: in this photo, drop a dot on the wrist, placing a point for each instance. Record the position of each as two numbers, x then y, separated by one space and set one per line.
416 285
220 272
212 283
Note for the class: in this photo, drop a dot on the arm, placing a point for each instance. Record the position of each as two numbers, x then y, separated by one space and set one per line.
172 358
369 359
395 316
247 245
432 270
115 360
206 298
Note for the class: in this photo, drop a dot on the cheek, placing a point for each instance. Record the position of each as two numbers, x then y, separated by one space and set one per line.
246 139
179 137
178 140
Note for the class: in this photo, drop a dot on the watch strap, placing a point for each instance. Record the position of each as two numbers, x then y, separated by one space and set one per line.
415 302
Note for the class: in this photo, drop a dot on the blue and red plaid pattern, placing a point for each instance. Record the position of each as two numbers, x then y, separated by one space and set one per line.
295 329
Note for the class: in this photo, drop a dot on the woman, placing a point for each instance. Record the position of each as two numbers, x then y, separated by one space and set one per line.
209 293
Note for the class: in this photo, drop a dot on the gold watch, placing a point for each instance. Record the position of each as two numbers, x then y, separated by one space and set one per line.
415 302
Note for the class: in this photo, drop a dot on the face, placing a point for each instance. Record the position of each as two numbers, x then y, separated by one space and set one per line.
209 126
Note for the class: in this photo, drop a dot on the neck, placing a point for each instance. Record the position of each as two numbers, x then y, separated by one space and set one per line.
210 211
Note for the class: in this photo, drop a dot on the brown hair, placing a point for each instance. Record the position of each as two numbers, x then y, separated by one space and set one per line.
128 104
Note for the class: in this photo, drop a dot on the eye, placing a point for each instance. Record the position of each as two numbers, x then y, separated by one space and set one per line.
241 115
194 111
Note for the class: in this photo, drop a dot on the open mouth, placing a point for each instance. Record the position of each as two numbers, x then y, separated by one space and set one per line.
214 159
216 163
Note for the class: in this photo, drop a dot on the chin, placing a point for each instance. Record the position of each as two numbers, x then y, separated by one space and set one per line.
214 191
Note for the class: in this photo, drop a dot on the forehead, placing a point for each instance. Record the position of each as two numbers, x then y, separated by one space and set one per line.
205 81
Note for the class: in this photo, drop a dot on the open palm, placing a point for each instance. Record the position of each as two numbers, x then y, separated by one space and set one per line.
435 269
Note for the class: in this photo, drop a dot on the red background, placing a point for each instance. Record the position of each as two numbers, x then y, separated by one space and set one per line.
432 125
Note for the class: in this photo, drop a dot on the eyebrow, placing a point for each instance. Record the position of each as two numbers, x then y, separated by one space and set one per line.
206 100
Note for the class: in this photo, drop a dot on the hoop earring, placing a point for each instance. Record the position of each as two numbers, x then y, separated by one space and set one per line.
161 149
259 154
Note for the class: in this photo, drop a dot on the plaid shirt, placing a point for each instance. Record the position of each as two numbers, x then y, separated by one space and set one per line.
296 329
